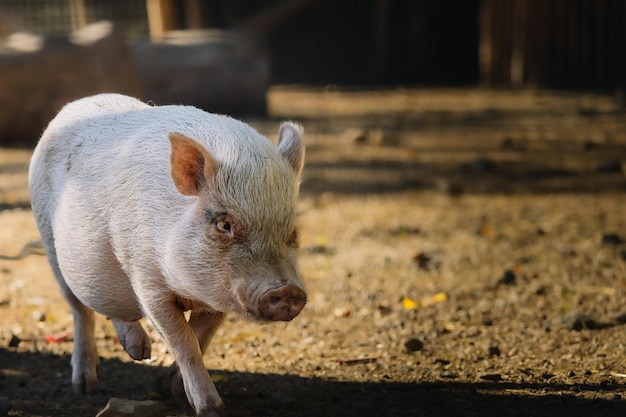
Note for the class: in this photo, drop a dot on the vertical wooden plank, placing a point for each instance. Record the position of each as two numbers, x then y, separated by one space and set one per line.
572 69
518 15
543 40
381 18
585 56
497 40
559 49
161 17
611 14
622 51
485 42
194 14
600 43
529 48
508 31
536 41
78 14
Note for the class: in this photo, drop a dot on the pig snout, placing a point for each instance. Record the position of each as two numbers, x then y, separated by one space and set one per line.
282 304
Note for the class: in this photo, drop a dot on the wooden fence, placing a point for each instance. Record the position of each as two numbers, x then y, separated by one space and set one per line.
553 43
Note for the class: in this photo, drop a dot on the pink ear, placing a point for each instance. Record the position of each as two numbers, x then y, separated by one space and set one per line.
191 164
290 145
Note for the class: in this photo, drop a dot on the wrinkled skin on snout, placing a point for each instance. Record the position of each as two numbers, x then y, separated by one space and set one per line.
154 211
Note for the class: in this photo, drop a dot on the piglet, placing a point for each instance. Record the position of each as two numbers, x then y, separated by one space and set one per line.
154 211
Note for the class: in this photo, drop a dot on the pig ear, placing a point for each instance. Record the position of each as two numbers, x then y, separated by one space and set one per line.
191 164
290 145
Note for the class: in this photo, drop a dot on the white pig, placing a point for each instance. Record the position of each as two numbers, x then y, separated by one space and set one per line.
153 211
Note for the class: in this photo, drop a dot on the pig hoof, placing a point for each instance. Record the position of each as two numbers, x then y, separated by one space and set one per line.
134 339
180 397
85 386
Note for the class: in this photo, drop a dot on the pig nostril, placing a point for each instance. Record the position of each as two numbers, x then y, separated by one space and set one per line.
282 303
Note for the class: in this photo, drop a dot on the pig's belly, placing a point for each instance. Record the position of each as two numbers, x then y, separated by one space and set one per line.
95 277
107 290
107 295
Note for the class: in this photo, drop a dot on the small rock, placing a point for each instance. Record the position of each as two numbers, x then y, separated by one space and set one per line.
508 278
571 374
39 315
413 345
384 309
449 375
422 260
490 376
342 312
5 406
494 351
118 407
487 321
578 321
612 239
15 341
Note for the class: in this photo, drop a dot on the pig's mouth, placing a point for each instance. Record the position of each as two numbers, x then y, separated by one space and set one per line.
282 303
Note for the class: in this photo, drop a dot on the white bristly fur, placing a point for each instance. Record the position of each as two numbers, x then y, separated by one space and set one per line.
124 241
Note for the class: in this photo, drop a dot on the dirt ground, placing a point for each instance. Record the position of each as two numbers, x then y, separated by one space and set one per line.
464 252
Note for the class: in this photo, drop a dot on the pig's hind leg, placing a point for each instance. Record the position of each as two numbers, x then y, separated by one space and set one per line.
133 338
204 325
84 354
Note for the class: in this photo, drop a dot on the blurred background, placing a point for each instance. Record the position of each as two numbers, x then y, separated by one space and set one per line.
462 203
225 55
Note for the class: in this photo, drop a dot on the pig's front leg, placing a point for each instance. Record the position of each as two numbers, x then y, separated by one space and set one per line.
133 338
204 324
179 336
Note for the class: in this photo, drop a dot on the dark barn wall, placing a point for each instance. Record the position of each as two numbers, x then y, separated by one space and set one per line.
553 43
379 42
330 43
361 42
433 42
520 43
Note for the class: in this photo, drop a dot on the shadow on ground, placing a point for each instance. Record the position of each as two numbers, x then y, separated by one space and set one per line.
38 384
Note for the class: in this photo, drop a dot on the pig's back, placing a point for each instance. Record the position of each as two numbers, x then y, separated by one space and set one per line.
114 151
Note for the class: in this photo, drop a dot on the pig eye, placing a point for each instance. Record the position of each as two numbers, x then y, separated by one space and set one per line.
224 227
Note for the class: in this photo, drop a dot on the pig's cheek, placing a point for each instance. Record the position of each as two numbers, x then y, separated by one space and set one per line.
244 300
